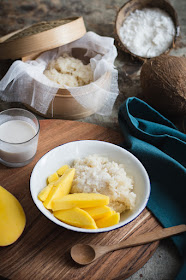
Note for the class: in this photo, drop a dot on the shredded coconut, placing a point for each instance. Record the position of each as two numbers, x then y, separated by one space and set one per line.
95 174
69 71
148 32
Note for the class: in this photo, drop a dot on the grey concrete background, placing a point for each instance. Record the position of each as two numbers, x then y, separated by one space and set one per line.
99 16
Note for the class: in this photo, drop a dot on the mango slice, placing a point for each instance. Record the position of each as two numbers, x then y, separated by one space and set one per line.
62 169
81 200
99 212
12 218
53 177
108 221
45 192
76 217
60 188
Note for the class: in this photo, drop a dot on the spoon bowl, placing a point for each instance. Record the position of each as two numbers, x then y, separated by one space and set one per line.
83 253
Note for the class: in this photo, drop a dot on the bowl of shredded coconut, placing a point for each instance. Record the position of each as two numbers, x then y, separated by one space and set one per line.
146 29
101 168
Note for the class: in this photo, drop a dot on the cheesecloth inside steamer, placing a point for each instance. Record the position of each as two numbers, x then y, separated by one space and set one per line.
25 82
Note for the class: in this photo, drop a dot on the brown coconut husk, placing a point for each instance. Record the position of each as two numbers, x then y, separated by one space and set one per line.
163 80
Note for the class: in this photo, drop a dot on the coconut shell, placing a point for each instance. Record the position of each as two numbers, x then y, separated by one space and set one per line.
130 7
163 81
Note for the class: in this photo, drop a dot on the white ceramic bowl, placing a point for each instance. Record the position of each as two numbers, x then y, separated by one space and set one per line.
67 153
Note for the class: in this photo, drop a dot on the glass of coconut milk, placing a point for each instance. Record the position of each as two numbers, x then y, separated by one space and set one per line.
19 132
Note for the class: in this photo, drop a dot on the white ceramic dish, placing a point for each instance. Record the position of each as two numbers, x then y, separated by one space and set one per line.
67 153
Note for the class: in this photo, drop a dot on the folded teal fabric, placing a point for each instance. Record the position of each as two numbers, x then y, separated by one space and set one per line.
161 148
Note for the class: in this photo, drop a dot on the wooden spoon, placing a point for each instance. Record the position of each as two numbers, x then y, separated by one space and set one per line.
84 254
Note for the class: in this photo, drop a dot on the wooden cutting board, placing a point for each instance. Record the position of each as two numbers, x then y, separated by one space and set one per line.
42 252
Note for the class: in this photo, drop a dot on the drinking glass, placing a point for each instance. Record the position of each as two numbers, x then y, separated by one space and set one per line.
18 139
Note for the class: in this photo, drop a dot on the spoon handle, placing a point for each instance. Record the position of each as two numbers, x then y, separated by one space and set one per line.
148 237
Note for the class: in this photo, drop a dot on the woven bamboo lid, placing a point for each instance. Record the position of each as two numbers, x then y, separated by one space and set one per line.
41 37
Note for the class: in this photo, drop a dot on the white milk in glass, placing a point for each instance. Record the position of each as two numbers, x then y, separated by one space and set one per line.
16 131
17 141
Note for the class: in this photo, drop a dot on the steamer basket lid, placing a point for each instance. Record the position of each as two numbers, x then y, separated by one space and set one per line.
31 41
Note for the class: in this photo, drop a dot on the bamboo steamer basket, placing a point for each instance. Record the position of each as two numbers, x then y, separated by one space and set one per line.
64 106
133 5
28 43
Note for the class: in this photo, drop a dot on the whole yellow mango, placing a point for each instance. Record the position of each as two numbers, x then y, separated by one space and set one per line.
12 218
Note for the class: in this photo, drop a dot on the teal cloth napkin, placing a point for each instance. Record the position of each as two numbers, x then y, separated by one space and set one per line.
161 148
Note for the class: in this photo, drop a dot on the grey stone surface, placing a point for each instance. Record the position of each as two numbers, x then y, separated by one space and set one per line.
163 265
99 16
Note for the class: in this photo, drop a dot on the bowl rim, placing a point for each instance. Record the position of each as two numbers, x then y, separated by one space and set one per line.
100 230
123 47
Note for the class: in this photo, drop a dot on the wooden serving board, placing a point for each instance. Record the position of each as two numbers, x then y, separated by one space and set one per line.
43 250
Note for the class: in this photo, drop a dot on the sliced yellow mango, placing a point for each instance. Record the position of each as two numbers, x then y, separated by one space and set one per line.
12 218
45 192
53 177
76 217
62 169
108 221
60 188
99 212
81 200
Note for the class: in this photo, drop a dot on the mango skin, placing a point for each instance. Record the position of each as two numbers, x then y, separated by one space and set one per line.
12 218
